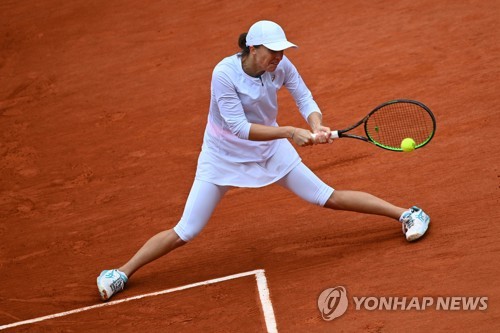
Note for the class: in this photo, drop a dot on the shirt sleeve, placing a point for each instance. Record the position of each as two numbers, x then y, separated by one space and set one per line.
296 86
230 107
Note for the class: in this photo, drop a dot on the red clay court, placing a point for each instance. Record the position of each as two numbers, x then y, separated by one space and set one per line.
102 112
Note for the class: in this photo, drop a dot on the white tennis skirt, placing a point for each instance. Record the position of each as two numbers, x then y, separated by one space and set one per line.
214 169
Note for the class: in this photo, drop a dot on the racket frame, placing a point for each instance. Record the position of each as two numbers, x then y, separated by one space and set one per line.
343 133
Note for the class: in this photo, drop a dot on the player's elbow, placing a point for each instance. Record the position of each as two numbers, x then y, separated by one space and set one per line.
240 129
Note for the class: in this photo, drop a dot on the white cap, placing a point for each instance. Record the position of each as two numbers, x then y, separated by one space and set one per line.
269 34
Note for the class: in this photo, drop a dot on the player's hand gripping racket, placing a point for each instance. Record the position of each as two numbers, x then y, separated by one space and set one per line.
391 122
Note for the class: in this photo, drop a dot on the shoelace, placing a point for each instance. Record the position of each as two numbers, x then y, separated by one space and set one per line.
117 284
408 221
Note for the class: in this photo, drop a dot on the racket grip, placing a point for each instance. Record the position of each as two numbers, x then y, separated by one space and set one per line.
333 135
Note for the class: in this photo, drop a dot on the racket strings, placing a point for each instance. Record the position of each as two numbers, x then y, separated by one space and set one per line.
392 123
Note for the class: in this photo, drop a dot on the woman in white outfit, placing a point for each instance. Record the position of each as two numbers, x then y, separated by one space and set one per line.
244 146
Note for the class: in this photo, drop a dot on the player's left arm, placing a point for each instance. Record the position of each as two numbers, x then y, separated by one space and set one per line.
305 101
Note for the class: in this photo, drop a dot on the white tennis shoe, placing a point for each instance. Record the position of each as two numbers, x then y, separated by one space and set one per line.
110 282
414 223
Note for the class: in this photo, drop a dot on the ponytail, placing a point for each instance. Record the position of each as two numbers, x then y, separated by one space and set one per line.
242 43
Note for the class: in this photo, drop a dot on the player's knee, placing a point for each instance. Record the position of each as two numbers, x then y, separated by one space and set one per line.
331 201
325 196
177 240
186 234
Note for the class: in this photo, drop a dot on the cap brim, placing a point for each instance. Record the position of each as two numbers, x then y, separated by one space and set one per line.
279 46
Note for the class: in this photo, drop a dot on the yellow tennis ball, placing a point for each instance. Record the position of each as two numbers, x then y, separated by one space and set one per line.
408 144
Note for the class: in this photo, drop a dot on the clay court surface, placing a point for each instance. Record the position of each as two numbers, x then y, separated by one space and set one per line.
102 112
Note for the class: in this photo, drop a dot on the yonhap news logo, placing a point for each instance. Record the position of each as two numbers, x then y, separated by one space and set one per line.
334 302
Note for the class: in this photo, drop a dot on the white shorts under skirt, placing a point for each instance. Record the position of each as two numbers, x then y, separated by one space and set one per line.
204 197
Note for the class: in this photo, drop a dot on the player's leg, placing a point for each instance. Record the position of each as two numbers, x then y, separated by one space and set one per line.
201 202
414 220
156 247
200 205
363 202
303 182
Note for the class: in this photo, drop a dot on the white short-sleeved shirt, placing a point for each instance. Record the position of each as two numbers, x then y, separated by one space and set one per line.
237 101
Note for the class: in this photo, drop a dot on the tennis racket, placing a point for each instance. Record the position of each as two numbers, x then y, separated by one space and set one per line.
391 122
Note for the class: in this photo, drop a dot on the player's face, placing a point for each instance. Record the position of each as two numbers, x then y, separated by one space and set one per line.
266 59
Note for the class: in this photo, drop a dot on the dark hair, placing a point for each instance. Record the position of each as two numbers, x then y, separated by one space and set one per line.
242 43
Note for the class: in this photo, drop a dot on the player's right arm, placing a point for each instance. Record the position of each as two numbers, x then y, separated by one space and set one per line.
305 101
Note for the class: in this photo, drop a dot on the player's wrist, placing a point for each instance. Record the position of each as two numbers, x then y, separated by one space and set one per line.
315 120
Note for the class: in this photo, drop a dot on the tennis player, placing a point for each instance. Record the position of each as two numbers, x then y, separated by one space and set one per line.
243 146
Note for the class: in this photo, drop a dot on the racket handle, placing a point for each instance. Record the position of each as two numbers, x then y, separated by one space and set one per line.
333 135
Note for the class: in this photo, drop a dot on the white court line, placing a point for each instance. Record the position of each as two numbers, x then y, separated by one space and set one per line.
265 300
260 276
